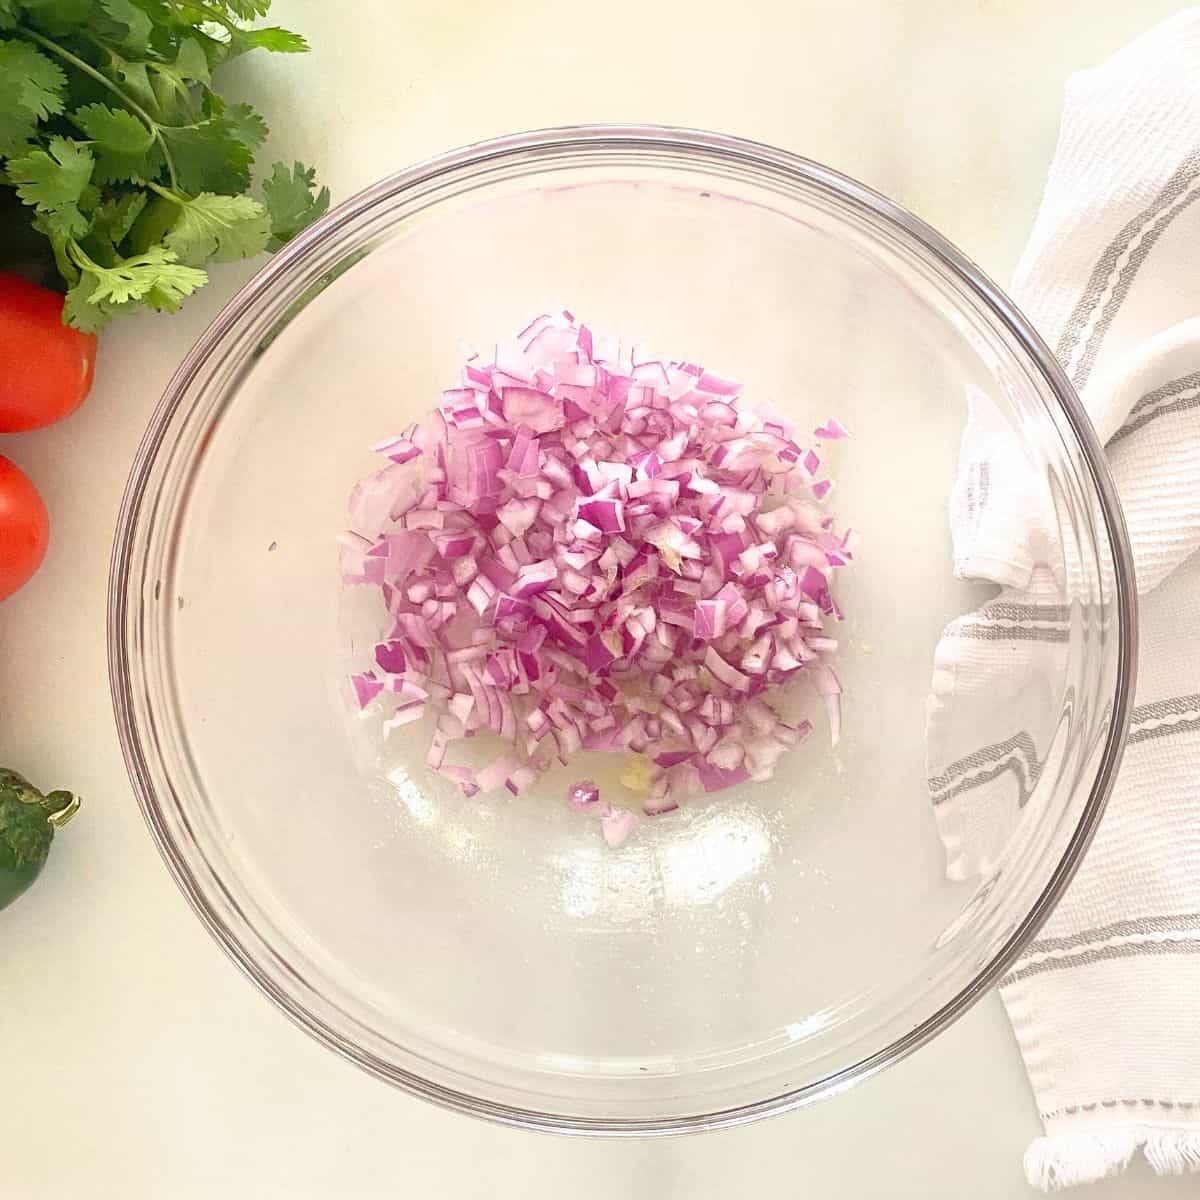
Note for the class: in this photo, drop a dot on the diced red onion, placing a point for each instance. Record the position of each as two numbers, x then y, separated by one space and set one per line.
463 776
404 715
591 547
492 777
537 410
607 515
729 675
583 795
391 657
715 779
400 449
381 498
366 687
656 806
617 824
520 779
534 578
830 690
832 430
717 385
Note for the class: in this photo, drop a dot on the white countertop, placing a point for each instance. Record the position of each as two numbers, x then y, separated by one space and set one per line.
139 1063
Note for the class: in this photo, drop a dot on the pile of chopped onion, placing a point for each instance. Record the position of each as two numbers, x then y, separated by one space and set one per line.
590 549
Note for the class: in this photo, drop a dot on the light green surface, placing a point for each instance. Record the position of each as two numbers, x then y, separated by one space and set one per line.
148 1067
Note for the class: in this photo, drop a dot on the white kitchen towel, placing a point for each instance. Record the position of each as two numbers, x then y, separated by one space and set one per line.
1105 1002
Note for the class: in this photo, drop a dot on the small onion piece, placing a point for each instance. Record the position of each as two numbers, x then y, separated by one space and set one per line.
583 795
617 824
366 687
832 430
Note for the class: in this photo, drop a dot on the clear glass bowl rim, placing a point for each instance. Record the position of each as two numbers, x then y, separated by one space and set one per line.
684 144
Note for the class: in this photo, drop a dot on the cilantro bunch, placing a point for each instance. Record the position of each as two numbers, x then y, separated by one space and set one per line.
121 163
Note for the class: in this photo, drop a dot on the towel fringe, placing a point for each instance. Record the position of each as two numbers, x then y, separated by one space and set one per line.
1069 1159
1174 1151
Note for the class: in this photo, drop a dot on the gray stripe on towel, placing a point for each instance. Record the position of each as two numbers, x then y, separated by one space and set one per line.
1046 613
981 631
1103 954
1093 1105
979 758
1025 779
1143 926
1149 224
1017 754
1179 714
1176 396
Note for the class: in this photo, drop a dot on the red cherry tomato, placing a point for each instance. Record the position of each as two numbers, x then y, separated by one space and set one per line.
24 528
46 367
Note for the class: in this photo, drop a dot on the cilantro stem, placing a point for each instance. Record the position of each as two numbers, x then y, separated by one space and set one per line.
80 257
165 193
87 68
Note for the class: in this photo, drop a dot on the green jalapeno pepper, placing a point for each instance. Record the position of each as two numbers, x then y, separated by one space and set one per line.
27 824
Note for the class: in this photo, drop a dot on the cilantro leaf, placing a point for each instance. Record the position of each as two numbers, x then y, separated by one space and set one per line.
56 17
80 311
245 122
31 88
54 181
156 271
150 280
191 63
291 202
114 129
114 218
246 10
173 80
49 180
210 156
17 125
135 76
248 126
67 221
8 14
112 166
272 37
124 147
36 82
219 227
134 21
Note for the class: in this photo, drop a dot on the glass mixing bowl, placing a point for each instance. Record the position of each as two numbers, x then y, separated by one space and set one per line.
763 946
